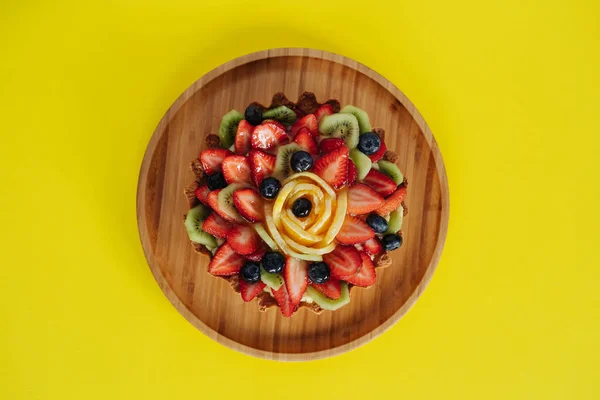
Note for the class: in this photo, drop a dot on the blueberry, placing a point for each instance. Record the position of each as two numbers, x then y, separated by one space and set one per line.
377 223
251 272
301 161
301 207
369 143
269 188
391 242
273 262
253 114
216 181
318 272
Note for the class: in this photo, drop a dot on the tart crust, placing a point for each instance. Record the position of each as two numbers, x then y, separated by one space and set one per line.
307 104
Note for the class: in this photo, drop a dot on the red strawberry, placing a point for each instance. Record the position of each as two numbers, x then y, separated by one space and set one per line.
272 121
213 200
237 169
362 199
393 201
329 145
283 299
382 183
333 167
308 121
354 230
258 254
250 290
373 246
242 137
324 110
261 164
216 226
331 288
380 153
306 141
365 275
202 194
268 135
226 261
295 275
249 204
352 173
243 239
212 159
343 261
228 214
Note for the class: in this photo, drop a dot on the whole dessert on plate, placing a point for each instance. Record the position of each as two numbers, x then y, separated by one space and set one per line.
296 203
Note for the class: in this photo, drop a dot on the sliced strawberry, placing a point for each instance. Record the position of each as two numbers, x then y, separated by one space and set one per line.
306 141
242 137
331 288
237 169
308 121
329 145
295 275
393 201
217 226
362 199
202 194
323 111
272 121
343 261
226 261
333 167
352 173
380 153
283 299
366 274
354 230
243 239
258 254
261 164
250 290
249 204
380 182
212 159
268 135
373 246
213 200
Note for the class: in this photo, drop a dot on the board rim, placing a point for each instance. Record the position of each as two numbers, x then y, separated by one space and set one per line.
141 203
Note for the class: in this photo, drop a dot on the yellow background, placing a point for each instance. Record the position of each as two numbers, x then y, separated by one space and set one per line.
511 92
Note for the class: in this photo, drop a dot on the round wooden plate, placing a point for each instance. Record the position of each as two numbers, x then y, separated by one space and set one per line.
209 303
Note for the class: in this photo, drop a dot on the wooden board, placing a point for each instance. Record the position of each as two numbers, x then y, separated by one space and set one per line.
209 303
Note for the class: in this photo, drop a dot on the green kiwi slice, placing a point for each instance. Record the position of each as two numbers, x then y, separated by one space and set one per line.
391 170
395 222
363 163
363 118
325 302
225 201
282 163
228 128
343 126
274 281
281 114
193 224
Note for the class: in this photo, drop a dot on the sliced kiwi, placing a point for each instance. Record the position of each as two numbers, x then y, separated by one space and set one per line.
363 118
343 126
228 128
274 281
325 302
395 222
391 170
281 114
363 163
282 163
225 201
193 224
264 235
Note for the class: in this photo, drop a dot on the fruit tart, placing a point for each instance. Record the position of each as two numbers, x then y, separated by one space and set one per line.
296 203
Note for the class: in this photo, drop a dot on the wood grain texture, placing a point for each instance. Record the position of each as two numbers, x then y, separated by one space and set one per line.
209 303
